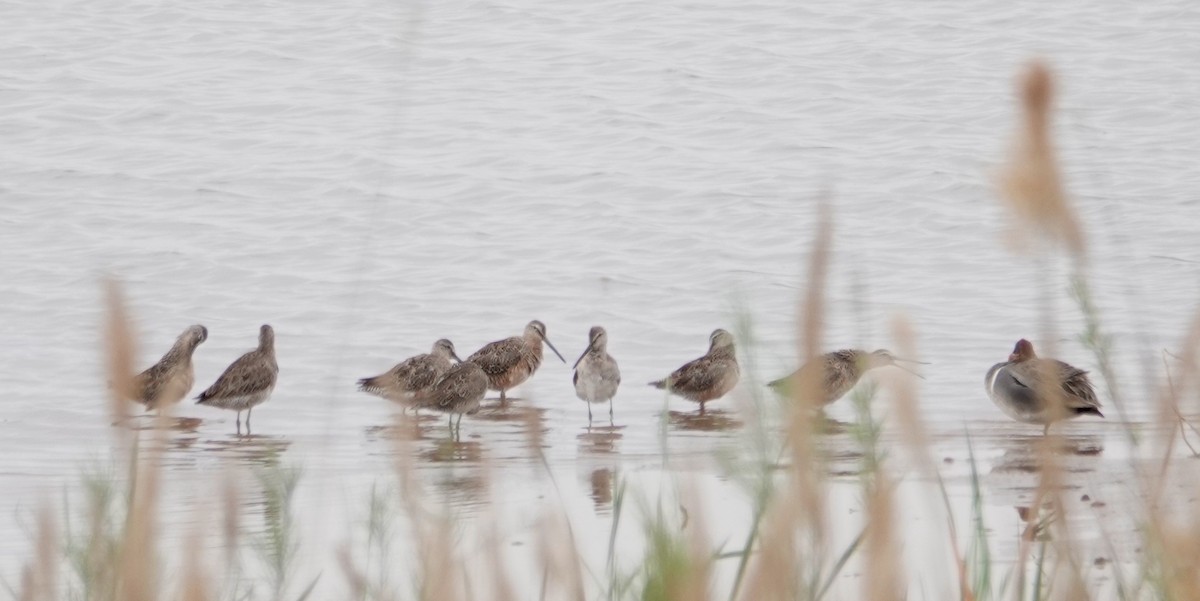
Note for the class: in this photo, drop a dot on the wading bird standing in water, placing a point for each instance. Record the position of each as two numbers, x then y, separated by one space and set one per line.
401 383
171 379
511 361
1040 391
247 382
596 373
834 374
709 377
459 391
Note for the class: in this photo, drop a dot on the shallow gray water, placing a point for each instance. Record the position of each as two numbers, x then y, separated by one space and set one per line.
368 177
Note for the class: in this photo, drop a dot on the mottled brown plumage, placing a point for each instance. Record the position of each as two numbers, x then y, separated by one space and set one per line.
402 382
708 378
247 382
836 373
511 361
1040 391
459 391
169 380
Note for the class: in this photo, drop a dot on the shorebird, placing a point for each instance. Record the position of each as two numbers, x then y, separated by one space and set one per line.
837 372
596 373
169 380
401 383
709 377
460 390
511 361
247 382
1040 391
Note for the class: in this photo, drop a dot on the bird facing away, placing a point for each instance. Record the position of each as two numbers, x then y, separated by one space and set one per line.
511 361
834 374
169 380
1040 391
709 377
596 373
401 383
247 382
460 390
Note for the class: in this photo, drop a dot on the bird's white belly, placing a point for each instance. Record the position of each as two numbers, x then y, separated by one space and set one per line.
594 389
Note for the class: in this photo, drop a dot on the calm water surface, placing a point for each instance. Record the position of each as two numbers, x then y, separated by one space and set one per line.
368 177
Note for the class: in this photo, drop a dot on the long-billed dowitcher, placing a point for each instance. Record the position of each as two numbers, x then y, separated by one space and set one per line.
709 377
401 383
169 380
596 373
1040 391
459 391
837 372
247 382
511 361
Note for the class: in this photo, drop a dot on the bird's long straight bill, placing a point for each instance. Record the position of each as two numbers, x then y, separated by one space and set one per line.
560 357
580 359
909 370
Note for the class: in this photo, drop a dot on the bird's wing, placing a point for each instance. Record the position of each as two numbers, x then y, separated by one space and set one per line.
610 371
694 375
248 375
816 371
454 386
498 357
1078 387
417 372
146 385
1044 375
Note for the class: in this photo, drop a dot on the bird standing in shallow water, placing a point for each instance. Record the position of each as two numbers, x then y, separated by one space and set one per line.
247 382
169 380
596 373
1040 391
401 383
460 391
511 361
837 372
709 377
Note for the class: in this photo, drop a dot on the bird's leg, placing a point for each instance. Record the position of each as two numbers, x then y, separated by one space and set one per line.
458 423
450 421
239 422
610 412
248 412
589 413
701 407
503 399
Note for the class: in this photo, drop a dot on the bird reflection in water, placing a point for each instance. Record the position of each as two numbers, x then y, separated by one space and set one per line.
149 421
602 487
457 471
511 413
600 440
713 420
1075 453
179 433
531 419
247 449
408 427
449 450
